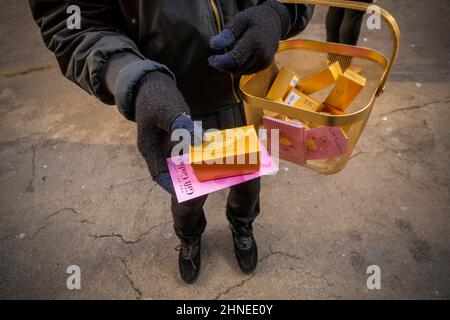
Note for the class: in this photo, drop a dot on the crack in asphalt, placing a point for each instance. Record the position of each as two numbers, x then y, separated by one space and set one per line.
122 238
61 211
271 253
128 275
30 187
39 136
85 221
8 142
13 74
406 109
283 254
357 154
144 204
240 284
414 107
49 217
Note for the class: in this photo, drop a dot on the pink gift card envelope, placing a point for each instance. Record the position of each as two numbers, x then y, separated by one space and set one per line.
188 187
325 142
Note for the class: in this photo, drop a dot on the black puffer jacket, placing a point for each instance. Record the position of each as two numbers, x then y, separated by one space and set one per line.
170 35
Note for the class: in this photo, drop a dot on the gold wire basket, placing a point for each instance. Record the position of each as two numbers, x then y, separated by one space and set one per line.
306 57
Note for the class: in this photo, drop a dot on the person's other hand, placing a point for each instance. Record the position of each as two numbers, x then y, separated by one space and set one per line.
252 39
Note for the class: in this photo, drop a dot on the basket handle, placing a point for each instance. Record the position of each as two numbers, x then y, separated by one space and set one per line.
362 6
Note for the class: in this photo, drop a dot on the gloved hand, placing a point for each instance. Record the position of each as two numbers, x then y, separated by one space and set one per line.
161 109
196 132
253 39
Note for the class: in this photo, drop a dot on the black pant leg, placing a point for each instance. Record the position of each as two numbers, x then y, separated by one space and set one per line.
344 25
333 24
189 218
243 204
351 27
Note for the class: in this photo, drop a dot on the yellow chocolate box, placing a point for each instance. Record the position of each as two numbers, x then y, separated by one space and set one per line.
285 80
347 88
322 79
226 153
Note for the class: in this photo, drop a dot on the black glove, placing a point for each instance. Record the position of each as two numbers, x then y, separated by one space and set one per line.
253 38
195 130
161 109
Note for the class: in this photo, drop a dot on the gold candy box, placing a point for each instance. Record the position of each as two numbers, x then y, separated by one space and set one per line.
293 90
226 153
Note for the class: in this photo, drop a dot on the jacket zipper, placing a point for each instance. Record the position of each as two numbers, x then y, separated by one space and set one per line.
219 28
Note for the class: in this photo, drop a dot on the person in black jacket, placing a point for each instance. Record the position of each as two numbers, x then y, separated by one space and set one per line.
164 64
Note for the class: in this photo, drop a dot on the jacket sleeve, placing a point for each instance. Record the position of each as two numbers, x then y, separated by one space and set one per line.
301 14
85 54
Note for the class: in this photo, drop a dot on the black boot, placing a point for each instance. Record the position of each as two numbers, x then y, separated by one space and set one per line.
189 259
245 247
